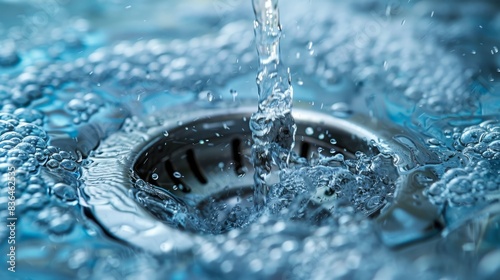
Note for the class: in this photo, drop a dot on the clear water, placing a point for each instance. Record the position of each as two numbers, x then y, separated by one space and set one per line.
71 74
273 127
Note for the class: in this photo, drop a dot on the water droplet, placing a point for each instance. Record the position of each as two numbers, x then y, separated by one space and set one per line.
234 94
341 109
177 175
165 133
210 96
64 192
309 131
333 141
471 136
69 165
154 176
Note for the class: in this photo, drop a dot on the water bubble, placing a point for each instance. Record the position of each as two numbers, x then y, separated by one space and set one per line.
227 266
52 164
221 165
494 146
333 141
256 265
77 105
68 164
471 136
309 131
64 192
8 57
154 176
341 109
208 95
177 175
61 224
165 133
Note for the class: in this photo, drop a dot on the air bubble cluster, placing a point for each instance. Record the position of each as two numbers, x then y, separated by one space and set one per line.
365 184
480 141
149 66
60 160
277 249
478 182
57 220
24 156
83 106
369 53
22 143
478 179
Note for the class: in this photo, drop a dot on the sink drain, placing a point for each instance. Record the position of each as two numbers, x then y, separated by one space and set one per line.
205 164
200 163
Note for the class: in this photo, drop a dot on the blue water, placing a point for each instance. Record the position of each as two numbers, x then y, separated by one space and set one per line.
424 73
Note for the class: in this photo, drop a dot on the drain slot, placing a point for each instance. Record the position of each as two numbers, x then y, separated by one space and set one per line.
195 167
237 157
304 149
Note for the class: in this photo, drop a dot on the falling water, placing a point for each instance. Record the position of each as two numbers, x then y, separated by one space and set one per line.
95 83
272 125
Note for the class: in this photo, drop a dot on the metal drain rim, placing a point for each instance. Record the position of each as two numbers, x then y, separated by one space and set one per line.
228 141
109 200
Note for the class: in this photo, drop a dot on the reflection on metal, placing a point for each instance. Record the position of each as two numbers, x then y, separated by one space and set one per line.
204 158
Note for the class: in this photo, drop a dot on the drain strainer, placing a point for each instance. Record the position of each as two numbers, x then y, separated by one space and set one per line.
204 164
200 161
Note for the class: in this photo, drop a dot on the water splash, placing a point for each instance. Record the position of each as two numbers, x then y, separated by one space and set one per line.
272 125
417 77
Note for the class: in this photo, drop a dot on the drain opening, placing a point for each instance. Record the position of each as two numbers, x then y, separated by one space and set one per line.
195 168
212 154
237 157
209 168
304 149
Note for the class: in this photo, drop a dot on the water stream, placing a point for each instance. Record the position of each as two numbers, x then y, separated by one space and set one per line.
273 127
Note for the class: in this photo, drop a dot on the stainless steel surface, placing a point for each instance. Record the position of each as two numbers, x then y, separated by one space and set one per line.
210 149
